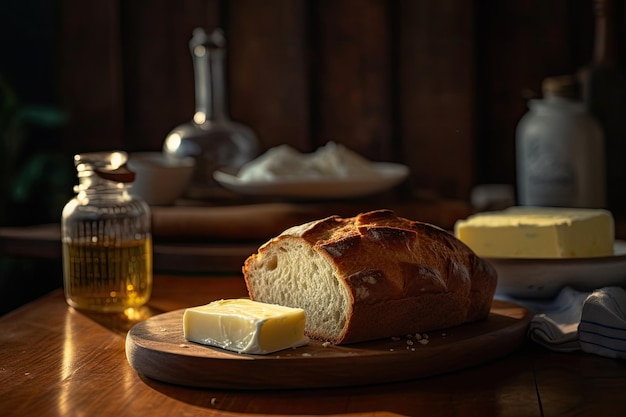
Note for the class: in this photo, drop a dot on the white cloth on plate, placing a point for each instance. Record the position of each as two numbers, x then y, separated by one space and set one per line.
594 322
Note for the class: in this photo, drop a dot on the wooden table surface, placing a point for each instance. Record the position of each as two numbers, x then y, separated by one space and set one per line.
56 361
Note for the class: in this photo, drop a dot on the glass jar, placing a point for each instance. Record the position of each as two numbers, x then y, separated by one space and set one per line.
107 242
560 150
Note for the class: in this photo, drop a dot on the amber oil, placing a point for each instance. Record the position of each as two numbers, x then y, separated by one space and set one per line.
108 278
107 243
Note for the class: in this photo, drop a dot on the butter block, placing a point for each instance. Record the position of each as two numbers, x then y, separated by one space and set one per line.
539 232
245 326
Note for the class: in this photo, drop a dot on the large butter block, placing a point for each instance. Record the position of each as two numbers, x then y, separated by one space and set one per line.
245 326
539 232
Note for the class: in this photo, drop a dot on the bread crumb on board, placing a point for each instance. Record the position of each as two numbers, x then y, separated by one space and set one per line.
411 339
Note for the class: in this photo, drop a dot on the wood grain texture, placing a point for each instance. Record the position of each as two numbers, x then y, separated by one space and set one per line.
268 63
352 76
57 361
436 94
207 239
246 223
157 349
437 85
90 77
564 394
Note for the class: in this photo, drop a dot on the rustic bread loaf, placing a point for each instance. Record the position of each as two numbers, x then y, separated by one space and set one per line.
371 276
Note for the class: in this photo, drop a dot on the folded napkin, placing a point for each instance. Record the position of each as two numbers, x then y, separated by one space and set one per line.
555 324
594 322
602 328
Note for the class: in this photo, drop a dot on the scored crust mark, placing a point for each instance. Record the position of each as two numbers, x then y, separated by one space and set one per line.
390 238
369 285
430 280
380 217
340 247
371 276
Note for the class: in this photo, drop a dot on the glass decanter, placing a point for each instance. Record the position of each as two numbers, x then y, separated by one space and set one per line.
211 137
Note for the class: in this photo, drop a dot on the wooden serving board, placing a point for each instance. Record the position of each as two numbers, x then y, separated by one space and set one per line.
157 349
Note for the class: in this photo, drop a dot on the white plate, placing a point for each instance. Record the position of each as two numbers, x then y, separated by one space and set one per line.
390 175
544 278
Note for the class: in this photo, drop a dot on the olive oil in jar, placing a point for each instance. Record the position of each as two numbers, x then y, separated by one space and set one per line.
108 278
107 242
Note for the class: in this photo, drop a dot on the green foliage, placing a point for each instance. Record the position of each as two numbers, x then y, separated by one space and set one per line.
34 182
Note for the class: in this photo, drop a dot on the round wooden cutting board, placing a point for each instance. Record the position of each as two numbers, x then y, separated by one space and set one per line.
157 349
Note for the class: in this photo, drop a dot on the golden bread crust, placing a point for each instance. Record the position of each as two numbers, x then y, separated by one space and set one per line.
403 276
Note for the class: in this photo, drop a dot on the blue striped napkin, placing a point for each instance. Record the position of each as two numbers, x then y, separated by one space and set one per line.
594 322
602 328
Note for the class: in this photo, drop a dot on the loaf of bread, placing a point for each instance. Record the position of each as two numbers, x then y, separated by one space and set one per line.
371 276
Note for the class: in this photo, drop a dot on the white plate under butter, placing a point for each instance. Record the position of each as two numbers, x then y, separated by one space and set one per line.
544 278
390 175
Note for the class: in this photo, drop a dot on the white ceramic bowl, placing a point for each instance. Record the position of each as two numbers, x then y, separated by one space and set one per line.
160 179
544 278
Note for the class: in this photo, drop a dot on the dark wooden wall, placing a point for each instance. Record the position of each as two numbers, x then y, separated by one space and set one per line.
436 84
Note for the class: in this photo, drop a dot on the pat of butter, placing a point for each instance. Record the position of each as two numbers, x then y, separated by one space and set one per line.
245 326
539 232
